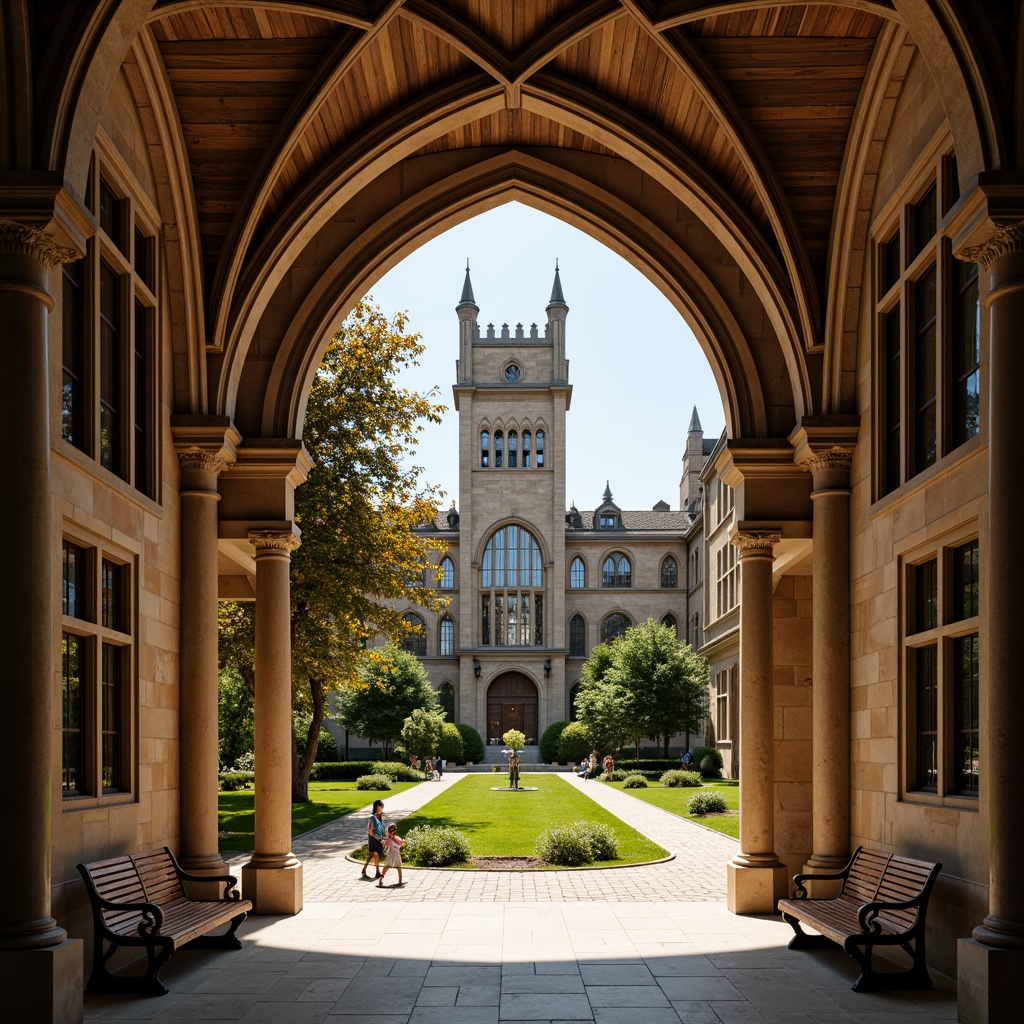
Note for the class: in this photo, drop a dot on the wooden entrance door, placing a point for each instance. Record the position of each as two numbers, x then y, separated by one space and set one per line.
512 704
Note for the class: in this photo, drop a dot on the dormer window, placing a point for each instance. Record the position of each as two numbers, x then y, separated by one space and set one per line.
608 521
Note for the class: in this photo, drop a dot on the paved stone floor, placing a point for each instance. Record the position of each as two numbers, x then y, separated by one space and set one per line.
644 945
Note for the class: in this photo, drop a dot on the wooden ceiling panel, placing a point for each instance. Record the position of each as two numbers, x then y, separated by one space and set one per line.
777 22
511 26
518 128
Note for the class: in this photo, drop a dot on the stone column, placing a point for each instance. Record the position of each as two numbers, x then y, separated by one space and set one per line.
40 968
756 879
272 878
990 964
829 466
198 711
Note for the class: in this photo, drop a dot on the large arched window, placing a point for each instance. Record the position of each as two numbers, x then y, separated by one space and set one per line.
415 638
446 698
499 450
513 450
669 573
540 449
616 571
446 641
614 626
485 448
447 574
527 452
577 574
512 585
577 637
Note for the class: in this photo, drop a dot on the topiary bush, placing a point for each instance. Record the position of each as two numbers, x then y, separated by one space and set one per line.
548 752
604 844
373 782
450 747
568 845
427 847
678 777
339 771
575 743
231 781
648 764
472 743
698 754
634 781
711 765
396 771
709 801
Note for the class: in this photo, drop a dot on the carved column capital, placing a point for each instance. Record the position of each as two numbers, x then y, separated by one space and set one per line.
273 540
22 240
1007 241
833 460
201 460
757 541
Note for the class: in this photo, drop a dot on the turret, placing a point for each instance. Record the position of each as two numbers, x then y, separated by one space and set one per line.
469 330
693 463
557 311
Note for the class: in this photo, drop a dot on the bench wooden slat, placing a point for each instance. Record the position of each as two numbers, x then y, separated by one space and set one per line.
870 880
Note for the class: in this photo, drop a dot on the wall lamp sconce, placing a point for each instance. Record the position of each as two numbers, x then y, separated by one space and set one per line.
547 667
476 667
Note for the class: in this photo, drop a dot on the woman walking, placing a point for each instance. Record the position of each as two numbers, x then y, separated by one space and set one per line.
375 836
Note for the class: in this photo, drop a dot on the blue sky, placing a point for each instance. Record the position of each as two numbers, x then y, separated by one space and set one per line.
634 365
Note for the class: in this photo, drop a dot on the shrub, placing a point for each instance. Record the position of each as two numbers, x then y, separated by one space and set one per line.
709 801
649 764
678 777
396 771
245 762
339 771
698 754
575 743
472 743
615 775
373 782
549 742
230 781
604 844
428 847
568 845
634 781
711 765
450 747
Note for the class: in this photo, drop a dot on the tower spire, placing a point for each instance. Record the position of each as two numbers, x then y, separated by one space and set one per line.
557 298
694 422
467 290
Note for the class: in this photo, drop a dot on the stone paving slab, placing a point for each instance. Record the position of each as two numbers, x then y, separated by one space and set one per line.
652 944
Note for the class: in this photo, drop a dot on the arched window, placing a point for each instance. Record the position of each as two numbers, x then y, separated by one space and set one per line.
499 450
447 574
577 637
485 448
540 449
616 571
446 645
446 698
513 449
614 626
527 453
577 574
670 621
574 692
414 639
669 573
512 589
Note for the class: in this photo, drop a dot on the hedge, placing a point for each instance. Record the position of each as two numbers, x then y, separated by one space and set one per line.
340 771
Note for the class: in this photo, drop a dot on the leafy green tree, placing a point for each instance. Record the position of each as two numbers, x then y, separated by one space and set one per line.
421 732
549 742
666 682
575 743
361 558
392 685
449 746
235 699
603 706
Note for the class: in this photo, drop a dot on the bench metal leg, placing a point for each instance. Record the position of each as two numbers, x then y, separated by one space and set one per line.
801 940
226 941
103 981
877 981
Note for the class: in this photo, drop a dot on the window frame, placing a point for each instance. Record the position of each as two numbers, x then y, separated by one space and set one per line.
446 625
577 624
413 642
618 579
578 573
512 594
665 563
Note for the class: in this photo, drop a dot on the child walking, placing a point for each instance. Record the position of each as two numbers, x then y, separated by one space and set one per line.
393 845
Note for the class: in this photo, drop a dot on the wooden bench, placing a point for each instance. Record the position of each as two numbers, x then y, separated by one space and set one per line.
882 903
139 900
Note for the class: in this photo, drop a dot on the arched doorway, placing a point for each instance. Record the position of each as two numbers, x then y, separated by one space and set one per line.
512 704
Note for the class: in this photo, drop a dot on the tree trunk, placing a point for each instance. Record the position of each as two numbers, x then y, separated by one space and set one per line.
302 764
667 738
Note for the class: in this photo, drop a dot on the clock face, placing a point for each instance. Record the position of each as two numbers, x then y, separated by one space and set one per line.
512 373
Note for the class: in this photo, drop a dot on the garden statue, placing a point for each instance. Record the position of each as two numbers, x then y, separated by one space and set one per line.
513 769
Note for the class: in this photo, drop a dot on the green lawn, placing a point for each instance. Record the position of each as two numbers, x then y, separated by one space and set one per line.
675 800
507 824
330 800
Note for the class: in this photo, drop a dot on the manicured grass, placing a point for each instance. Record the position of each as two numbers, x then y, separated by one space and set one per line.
507 824
330 800
675 800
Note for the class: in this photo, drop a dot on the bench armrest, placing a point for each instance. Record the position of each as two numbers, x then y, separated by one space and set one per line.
868 912
152 914
801 891
230 880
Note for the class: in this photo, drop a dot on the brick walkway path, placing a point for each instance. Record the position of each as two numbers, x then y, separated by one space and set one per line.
643 945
